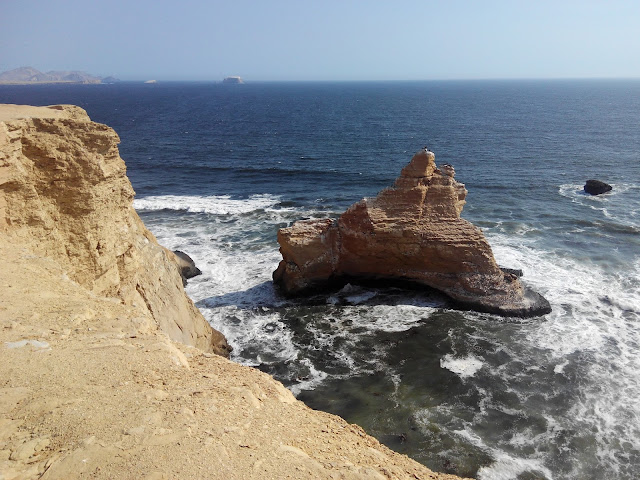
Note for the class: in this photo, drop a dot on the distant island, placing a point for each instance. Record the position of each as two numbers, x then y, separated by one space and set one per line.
234 80
30 75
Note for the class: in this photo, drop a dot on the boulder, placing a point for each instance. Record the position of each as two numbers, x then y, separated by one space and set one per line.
514 271
596 187
186 265
409 232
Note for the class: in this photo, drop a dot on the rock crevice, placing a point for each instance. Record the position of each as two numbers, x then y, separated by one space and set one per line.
411 232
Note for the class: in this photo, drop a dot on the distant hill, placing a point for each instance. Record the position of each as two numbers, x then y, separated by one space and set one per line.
26 75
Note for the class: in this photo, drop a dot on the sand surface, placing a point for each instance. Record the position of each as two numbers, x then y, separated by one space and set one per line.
13 112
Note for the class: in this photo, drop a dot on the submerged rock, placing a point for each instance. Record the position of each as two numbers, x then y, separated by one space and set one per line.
411 231
596 187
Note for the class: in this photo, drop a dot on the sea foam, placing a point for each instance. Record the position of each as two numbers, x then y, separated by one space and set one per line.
214 204
463 367
593 328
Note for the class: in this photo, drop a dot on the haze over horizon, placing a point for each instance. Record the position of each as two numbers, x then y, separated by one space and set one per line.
285 40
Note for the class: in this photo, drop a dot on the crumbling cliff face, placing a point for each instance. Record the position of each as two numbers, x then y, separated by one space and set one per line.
64 194
413 232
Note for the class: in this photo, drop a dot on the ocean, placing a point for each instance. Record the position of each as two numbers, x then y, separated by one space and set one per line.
218 169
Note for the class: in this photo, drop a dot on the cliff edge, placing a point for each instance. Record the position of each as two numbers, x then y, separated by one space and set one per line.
64 194
410 232
108 369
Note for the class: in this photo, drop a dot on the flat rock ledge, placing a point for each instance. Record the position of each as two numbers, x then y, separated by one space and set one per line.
409 232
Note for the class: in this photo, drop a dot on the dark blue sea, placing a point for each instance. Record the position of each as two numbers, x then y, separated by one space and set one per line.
219 168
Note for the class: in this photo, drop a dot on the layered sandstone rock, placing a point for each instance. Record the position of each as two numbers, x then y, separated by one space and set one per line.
411 231
64 194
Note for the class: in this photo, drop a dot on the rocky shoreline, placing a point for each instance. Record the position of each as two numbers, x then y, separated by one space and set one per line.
108 369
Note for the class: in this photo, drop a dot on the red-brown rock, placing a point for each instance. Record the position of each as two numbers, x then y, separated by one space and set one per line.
411 231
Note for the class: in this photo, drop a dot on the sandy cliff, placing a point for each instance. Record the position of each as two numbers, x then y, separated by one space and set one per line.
410 232
106 367
64 194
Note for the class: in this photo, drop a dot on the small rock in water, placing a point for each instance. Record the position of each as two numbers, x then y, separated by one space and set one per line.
186 265
596 187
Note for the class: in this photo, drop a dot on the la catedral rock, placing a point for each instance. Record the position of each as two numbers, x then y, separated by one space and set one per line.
411 232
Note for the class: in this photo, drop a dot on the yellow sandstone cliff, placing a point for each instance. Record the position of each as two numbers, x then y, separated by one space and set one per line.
106 367
64 194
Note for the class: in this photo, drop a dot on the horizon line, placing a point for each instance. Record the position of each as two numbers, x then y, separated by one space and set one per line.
480 79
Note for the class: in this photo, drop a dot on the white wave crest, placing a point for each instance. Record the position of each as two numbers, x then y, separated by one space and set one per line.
504 467
596 315
213 204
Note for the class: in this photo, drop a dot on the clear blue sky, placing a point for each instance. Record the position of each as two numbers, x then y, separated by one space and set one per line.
324 40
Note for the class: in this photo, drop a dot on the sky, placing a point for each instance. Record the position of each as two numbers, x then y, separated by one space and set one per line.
324 40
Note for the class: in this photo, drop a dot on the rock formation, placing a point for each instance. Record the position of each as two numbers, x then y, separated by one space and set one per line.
64 194
186 266
91 385
596 187
410 232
